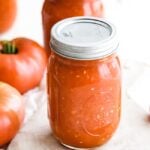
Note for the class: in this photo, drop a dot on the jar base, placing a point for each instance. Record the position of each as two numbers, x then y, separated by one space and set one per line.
75 148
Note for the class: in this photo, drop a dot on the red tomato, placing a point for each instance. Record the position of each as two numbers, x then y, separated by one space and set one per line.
8 10
22 63
11 112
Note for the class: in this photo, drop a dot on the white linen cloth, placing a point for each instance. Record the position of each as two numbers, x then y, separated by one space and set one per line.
133 132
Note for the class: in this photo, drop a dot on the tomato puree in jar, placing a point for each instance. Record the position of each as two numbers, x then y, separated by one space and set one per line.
56 10
84 82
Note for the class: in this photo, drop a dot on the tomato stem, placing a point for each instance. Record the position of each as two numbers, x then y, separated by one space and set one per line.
8 48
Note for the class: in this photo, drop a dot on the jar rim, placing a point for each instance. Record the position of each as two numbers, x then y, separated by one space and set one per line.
84 38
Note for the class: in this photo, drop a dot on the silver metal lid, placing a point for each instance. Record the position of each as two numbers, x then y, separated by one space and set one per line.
86 38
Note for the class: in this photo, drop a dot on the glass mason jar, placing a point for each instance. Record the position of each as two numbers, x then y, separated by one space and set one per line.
84 82
56 10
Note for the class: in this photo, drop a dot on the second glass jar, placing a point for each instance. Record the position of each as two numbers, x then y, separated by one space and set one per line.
56 10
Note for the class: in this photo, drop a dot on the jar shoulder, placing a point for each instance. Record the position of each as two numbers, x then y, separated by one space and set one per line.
107 69
78 7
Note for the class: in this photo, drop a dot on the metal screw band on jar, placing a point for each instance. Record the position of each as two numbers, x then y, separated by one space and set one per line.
84 38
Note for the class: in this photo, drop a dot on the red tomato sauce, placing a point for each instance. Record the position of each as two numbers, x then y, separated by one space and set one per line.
86 111
56 10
